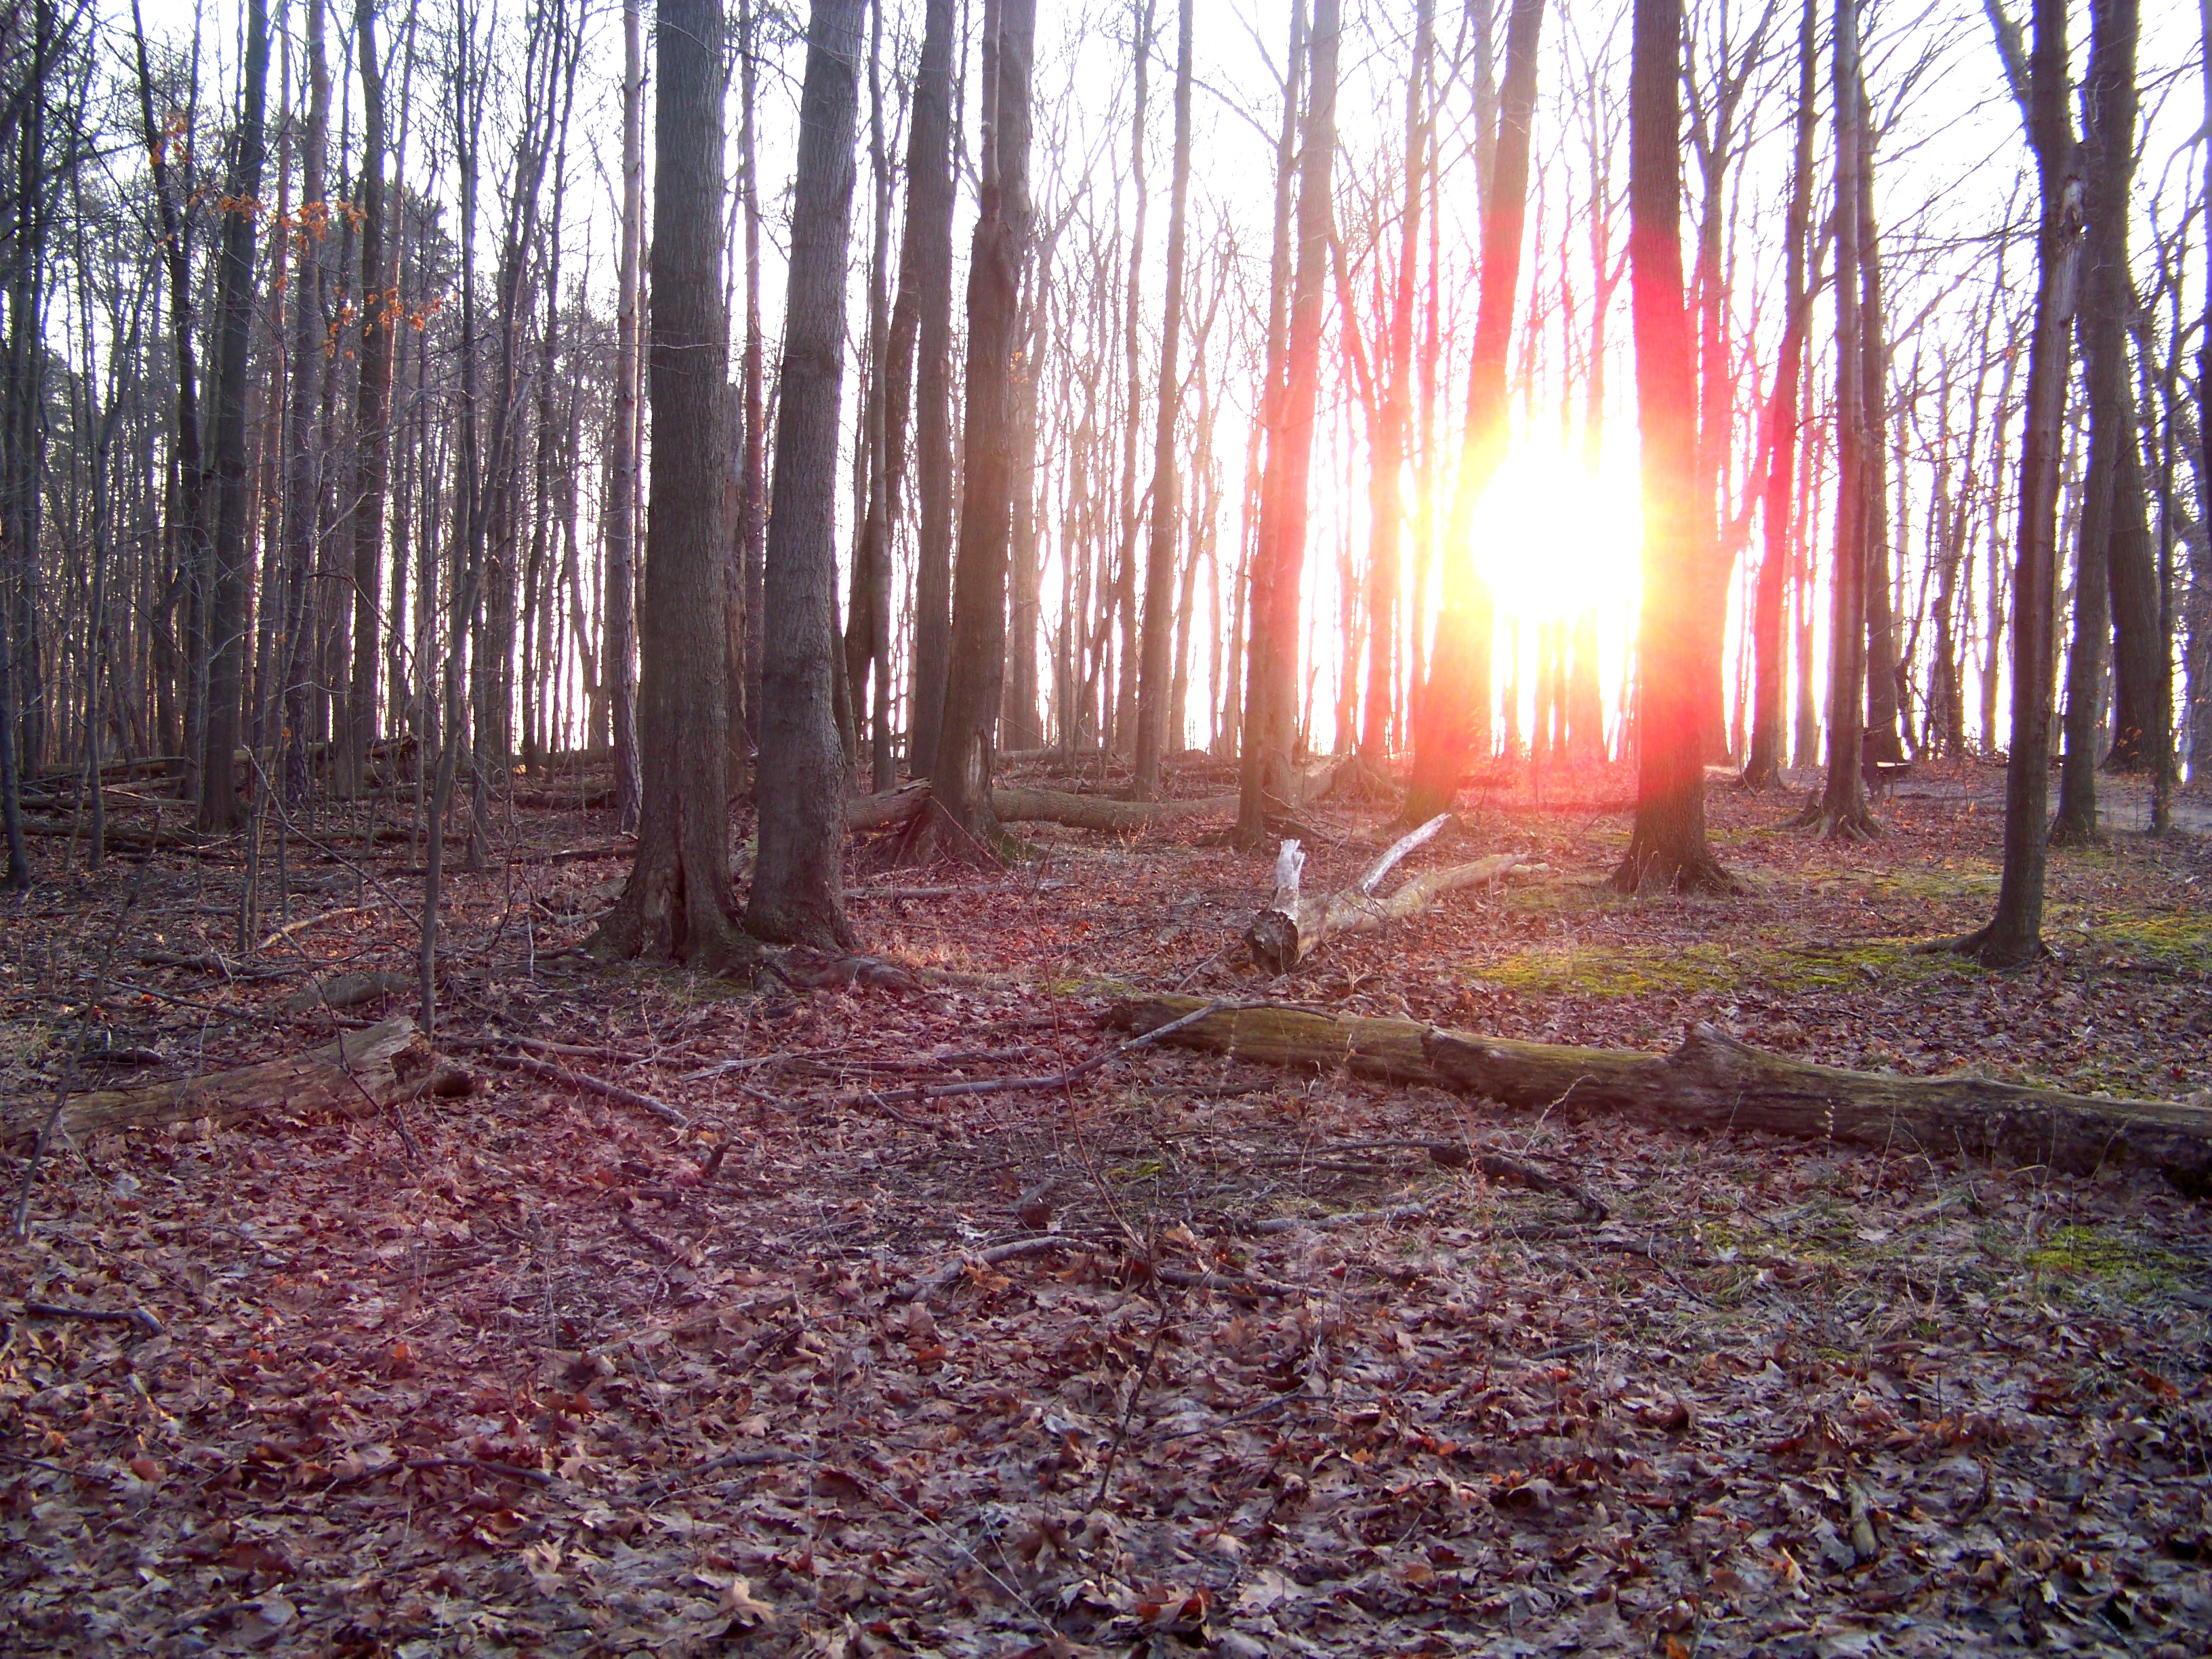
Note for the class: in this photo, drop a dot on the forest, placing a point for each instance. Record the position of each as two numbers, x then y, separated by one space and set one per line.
979 828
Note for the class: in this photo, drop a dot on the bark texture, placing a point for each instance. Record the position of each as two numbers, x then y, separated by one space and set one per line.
1715 1084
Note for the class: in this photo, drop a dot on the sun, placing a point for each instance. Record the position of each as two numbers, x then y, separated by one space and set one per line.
1554 539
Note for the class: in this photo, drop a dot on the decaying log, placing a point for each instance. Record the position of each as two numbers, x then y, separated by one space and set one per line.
1715 1083
349 991
1282 935
895 807
358 1075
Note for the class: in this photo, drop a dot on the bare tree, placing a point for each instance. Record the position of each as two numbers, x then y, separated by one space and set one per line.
677 902
1158 669
798 894
1666 848
1271 693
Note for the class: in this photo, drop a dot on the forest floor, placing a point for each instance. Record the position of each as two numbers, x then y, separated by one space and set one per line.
533 1372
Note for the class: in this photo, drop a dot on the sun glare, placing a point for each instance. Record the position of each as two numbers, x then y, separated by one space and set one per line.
1554 538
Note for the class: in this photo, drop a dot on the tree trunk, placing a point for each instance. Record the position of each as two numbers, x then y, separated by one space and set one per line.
926 267
1157 647
1393 431
752 477
960 778
678 903
1842 809
619 653
1770 650
2015 935
303 484
227 619
1884 699
1666 848
2113 510
379 312
798 893
1455 705
1270 698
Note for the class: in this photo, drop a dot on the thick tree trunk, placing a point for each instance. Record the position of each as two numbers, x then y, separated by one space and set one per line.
227 609
960 778
678 903
1270 699
1717 1084
1453 721
1157 667
1666 848
798 893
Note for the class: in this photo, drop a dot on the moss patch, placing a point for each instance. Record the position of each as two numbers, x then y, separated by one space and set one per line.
1594 970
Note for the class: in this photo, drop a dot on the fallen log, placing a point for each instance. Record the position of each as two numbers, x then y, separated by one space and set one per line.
1282 934
895 807
1714 1083
358 1076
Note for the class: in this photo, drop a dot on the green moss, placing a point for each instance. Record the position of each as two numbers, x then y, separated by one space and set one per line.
1765 964
2180 940
2106 1257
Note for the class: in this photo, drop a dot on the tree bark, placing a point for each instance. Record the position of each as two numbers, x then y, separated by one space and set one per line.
2013 935
678 903
303 483
227 621
1666 848
960 777
1842 809
1769 649
355 1077
619 653
1157 667
799 875
1271 693
1454 712
1717 1084
379 312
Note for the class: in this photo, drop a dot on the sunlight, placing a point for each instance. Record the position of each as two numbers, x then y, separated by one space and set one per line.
1553 538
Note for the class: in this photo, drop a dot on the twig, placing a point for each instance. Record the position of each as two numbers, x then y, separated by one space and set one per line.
921 1290
1121 1434
137 1317
921 1091
557 1073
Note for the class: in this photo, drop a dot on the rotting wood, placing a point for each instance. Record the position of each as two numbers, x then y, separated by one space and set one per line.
346 990
1287 932
1715 1083
895 806
357 1076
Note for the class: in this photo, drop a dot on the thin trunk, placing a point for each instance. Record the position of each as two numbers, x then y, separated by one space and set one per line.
619 655
1158 648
